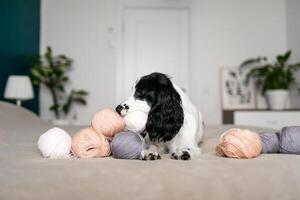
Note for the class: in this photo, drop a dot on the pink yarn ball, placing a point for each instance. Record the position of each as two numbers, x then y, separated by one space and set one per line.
87 143
239 143
108 122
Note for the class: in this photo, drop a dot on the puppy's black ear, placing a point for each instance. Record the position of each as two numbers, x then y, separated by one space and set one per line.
166 115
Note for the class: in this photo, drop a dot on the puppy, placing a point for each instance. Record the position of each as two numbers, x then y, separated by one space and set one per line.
174 124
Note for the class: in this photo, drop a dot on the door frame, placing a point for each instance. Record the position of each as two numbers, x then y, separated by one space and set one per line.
119 47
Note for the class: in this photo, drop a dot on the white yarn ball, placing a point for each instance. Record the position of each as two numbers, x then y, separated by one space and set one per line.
55 143
136 121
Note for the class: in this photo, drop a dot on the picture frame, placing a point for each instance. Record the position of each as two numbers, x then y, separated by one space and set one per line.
235 92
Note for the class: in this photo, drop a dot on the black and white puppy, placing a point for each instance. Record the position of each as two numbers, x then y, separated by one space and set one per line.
174 124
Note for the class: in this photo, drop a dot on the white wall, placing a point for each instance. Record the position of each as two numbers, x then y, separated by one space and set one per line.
293 27
293 42
223 33
79 29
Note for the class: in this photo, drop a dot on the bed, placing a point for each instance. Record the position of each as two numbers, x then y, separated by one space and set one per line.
25 174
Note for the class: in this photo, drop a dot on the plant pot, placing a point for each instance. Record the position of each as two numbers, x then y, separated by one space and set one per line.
277 99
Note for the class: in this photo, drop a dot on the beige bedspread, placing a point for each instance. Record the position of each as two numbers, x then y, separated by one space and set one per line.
24 174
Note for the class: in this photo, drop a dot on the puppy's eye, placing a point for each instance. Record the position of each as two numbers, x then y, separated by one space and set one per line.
139 93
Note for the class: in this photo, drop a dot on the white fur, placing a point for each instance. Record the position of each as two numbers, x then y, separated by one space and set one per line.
55 143
135 105
189 136
136 121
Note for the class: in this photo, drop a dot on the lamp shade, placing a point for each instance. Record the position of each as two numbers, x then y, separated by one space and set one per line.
18 87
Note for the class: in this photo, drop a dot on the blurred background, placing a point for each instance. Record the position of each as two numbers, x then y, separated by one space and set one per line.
110 43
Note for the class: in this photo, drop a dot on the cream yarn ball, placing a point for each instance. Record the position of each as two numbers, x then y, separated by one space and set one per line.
136 121
55 143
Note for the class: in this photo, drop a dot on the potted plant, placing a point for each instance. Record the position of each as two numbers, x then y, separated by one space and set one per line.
273 79
51 71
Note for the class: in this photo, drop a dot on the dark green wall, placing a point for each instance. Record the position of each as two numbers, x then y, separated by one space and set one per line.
19 37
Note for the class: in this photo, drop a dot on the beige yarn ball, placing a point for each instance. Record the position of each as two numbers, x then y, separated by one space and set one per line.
87 143
239 143
108 122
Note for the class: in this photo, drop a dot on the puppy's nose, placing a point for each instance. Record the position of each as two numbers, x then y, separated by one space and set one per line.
119 108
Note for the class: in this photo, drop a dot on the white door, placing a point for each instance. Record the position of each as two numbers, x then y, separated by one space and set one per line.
155 40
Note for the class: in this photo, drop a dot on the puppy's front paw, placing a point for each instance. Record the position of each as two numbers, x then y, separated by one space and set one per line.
183 154
149 155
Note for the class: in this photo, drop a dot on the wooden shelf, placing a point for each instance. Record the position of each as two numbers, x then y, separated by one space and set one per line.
228 115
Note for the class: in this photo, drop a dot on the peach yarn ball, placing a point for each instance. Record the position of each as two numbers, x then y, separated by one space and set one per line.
87 143
108 122
239 143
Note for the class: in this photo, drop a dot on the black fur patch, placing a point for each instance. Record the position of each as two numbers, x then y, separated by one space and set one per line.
166 115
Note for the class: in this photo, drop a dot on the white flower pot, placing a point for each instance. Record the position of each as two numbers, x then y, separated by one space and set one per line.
60 122
277 99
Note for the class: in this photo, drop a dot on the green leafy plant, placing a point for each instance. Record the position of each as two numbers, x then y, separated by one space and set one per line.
51 71
269 76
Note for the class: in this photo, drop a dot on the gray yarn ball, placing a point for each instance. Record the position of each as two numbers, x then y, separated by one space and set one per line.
270 142
289 138
127 145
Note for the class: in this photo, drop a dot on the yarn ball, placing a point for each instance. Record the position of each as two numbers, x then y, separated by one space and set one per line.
239 143
270 142
87 143
127 145
136 121
289 138
108 122
55 143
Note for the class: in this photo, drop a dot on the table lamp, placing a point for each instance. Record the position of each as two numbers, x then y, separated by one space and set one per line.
19 88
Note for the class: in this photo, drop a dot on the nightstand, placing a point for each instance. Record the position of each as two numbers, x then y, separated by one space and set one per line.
262 118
